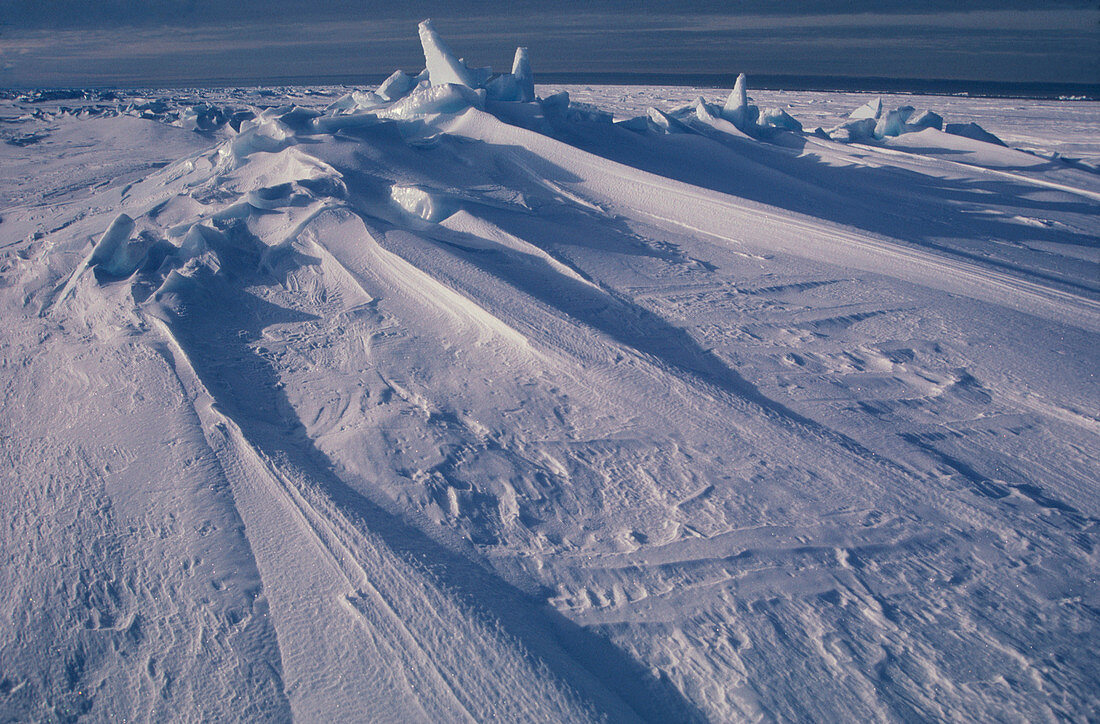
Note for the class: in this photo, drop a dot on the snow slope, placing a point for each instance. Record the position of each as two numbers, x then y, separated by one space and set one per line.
383 413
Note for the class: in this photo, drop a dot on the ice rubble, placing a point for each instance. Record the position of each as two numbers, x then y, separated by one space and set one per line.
872 121
203 117
448 85
396 86
740 111
738 117
444 68
114 253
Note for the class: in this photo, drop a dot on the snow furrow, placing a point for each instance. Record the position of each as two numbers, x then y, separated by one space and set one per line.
407 626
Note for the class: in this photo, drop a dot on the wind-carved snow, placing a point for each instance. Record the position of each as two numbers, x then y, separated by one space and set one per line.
449 401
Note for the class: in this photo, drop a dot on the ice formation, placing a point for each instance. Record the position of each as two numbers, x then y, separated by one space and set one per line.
738 117
925 119
396 86
892 123
662 122
504 88
779 118
521 70
428 205
442 65
856 129
871 109
449 85
114 253
448 98
738 110
872 122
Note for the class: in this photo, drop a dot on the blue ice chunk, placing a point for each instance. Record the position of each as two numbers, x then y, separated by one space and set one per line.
442 65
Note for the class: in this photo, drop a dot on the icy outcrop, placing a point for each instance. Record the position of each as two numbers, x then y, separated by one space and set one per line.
504 88
870 109
521 71
428 205
444 68
872 121
738 110
662 122
779 118
481 75
356 101
203 117
893 122
517 86
396 86
707 119
737 118
748 118
555 105
194 243
637 124
114 253
973 131
448 98
442 65
925 119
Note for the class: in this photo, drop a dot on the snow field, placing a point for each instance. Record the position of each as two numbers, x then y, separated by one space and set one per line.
377 406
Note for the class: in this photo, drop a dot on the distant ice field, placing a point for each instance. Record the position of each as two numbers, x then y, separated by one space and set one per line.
1045 126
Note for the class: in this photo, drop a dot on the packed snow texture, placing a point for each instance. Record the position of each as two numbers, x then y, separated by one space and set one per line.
465 398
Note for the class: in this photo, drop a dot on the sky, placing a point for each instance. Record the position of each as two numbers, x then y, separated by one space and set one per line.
143 43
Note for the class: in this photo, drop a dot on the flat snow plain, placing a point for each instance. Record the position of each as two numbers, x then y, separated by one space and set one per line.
435 418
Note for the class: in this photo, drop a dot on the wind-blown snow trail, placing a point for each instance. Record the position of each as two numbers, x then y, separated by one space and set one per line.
626 190
399 411
370 621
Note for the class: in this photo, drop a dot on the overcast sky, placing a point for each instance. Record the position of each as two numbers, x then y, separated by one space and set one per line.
186 42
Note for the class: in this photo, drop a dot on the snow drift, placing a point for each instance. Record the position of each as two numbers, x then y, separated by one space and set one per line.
445 401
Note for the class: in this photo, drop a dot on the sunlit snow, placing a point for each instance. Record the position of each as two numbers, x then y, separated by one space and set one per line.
468 398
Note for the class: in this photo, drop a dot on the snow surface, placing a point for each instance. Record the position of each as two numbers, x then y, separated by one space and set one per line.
377 407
